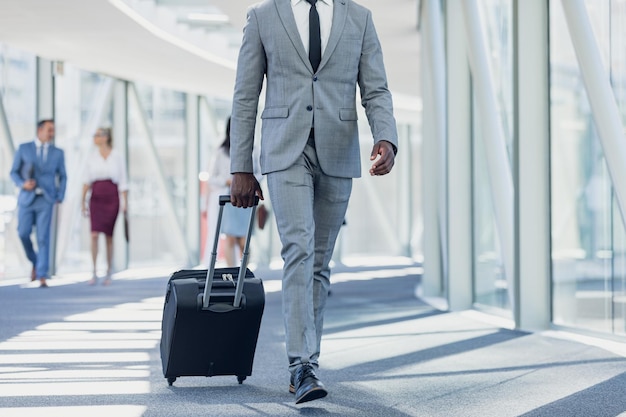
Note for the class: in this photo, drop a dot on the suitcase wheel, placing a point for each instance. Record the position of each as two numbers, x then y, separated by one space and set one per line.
241 378
171 379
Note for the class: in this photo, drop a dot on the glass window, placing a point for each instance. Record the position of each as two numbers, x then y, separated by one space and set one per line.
83 102
157 123
491 287
165 110
618 78
17 93
587 228
18 70
213 115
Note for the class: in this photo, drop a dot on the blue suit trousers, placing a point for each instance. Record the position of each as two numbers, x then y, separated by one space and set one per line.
39 215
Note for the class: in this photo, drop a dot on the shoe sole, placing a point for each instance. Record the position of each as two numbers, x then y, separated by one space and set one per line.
313 394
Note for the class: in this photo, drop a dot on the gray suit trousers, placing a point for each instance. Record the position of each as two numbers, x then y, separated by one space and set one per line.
310 208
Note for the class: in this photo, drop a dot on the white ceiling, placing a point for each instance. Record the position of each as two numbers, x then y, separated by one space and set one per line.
95 35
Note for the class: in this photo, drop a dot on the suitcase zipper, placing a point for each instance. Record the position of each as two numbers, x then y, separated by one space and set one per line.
229 277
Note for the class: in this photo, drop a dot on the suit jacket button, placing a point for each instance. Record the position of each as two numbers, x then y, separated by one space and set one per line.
315 78
309 108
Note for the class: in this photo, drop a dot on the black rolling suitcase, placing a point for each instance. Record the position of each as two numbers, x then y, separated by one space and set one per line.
211 318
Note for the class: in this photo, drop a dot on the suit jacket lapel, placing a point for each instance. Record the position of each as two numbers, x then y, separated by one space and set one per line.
289 23
340 12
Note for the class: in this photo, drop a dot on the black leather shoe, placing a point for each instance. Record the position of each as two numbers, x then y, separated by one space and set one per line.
306 385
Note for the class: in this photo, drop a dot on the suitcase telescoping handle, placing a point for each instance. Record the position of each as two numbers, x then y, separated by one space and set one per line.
225 199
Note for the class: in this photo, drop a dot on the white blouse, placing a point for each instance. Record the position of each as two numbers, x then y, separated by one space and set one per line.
112 168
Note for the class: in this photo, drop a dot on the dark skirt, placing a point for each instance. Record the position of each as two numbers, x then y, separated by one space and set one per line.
104 206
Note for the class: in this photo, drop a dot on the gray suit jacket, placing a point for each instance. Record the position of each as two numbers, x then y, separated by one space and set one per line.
297 99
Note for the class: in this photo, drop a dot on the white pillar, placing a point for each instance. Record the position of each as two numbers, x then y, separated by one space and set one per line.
45 110
459 161
435 49
45 90
432 279
533 165
120 134
193 169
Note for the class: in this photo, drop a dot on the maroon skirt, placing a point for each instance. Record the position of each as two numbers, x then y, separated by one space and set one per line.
104 206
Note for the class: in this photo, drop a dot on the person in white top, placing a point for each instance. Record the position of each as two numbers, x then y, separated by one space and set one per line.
106 178
235 220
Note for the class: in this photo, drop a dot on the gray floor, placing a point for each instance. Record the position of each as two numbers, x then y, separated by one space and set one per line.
74 350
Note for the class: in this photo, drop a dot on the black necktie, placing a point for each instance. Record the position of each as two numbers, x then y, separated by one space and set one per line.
315 41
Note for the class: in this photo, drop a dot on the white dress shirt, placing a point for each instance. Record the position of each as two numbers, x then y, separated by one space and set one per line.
301 14
39 144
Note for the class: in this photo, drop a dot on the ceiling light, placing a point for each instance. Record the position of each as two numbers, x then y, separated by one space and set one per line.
208 17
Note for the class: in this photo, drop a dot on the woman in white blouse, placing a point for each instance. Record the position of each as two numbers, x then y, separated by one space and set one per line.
106 177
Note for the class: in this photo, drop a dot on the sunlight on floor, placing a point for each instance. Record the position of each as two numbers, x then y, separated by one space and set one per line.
91 411
272 286
101 352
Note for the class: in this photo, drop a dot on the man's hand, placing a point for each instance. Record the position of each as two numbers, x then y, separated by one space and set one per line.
382 150
243 189
29 185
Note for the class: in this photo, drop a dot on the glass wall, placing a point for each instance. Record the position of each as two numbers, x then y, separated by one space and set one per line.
618 78
155 119
18 70
588 242
213 116
490 282
17 96
157 185
380 198
83 102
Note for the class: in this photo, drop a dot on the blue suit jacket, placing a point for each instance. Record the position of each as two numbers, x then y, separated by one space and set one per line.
50 175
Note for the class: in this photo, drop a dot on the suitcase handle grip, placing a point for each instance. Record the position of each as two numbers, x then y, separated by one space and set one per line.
226 199
244 259
223 307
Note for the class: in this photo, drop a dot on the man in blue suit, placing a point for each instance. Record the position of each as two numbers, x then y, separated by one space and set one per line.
311 55
39 172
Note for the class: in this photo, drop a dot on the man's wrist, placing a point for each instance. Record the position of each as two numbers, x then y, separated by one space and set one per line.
395 149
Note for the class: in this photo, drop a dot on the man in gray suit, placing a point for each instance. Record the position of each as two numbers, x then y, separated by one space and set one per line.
312 55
